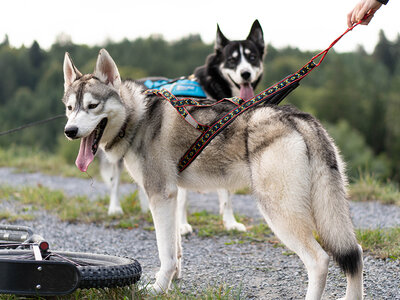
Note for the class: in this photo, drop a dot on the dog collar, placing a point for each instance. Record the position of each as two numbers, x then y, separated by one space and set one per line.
119 136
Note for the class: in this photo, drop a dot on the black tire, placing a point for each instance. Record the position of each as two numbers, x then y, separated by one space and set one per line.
96 270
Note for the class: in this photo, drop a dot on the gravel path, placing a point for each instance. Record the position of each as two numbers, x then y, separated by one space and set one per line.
256 271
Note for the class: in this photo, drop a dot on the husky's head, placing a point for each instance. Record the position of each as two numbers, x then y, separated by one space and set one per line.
241 62
92 103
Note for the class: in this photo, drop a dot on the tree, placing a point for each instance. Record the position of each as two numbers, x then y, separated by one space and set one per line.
36 55
392 124
356 153
384 52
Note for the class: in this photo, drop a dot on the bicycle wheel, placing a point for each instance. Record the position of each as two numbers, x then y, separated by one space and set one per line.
99 271
93 271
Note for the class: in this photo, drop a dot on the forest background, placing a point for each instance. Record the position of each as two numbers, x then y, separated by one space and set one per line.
356 95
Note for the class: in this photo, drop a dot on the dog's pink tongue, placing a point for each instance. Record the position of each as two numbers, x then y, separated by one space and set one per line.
85 155
246 91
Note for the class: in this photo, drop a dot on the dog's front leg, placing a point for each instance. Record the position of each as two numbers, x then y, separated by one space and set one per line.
184 226
226 210
163 207
115 206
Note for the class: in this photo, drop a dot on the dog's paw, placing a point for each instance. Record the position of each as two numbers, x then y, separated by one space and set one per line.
116 210
235 226
163 283
155 290
186 229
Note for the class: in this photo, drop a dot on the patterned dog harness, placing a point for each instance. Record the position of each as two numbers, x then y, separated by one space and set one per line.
272 95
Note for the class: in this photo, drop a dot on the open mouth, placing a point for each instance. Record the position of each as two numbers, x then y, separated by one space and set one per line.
89 146
98 133
246 89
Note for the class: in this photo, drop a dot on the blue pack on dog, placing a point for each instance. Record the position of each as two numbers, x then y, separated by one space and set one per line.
180 87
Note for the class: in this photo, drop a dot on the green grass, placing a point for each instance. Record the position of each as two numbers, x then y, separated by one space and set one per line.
81 209
382 243
137 293
368 188
26 160
12 217
76 209
207 225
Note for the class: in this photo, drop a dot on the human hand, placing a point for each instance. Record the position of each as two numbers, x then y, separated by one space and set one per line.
360 10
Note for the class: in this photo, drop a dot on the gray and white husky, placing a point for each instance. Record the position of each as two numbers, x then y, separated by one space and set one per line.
284 155
234 69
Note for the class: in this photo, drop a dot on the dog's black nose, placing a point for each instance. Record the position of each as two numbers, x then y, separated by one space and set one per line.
71 132
245 75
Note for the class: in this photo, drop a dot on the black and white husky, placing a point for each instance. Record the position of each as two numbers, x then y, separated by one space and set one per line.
234 69
287 158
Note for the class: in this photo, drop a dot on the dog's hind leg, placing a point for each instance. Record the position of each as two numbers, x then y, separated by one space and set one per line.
334 226
281 183
225 209
354 288
299 238
163 206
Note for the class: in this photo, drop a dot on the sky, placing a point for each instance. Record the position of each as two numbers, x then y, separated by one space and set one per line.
307 24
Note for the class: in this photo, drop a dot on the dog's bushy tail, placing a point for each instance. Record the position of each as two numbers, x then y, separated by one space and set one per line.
331 210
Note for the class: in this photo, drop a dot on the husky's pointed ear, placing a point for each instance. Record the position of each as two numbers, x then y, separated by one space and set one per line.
71 73
256 35
106 69
221 41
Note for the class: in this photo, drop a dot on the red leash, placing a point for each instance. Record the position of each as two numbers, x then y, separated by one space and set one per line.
325 52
